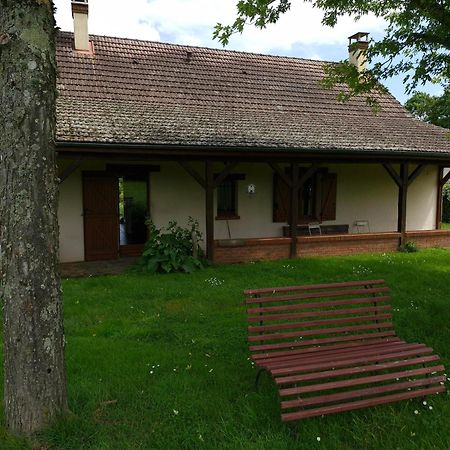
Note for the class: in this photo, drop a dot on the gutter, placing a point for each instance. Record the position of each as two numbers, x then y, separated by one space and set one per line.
277 152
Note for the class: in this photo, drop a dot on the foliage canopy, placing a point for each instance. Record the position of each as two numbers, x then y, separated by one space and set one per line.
431 108
416 42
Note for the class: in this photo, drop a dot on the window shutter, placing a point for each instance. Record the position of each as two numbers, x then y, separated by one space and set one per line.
281 200
328 204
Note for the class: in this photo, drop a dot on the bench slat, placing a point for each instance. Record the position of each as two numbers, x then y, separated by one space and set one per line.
267 337
352 354
327 355
330 398
326 349
323 294
355 370
350 361
321 341
351 301
362 380
318 323
312 287
326 313
361 403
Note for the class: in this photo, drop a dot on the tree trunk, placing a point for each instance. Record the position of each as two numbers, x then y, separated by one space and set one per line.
35 388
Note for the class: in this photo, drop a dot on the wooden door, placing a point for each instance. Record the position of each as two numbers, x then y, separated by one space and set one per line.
101 216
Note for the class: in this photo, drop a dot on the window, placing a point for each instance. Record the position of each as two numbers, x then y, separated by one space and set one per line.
227 200
317 198
227 197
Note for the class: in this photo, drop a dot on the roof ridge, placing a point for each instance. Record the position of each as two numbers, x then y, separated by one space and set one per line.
199 47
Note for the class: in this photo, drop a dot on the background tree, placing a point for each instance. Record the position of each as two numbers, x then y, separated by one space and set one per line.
35 389
431 108
416 43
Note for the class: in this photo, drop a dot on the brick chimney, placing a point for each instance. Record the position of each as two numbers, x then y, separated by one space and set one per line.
357 48
80 24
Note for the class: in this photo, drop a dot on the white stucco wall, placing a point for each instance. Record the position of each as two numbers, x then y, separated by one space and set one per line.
70 212
364 192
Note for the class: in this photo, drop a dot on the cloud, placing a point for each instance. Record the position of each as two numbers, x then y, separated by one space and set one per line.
191 22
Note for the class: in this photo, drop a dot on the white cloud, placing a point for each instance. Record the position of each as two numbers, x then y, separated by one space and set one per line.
192 21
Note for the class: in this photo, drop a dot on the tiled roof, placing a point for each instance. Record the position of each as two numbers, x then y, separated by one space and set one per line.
152 93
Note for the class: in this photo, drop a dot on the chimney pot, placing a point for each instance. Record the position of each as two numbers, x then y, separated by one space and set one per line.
80 9
357 48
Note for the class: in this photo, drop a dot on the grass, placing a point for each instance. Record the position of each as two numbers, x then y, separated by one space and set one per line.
161 362
445 226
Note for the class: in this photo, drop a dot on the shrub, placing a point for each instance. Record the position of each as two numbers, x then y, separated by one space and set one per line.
409 247
175 250
446 203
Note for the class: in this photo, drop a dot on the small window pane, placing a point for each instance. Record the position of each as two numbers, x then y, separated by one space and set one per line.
226 199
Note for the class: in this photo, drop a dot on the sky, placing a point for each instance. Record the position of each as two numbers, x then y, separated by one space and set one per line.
298 33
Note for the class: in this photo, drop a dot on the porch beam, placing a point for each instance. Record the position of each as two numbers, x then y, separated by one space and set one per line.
391 171
277 169
193 173
307 175
295 186
445 179
225 172
70 169
402 201
209 209
416 172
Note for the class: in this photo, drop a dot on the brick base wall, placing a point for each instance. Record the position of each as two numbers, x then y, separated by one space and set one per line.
432 238
263 249
346 244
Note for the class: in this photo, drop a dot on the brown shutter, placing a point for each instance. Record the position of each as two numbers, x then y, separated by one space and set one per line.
281 200
328 203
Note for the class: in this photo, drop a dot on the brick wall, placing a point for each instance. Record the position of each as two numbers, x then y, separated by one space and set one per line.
263 249
346 244
432 238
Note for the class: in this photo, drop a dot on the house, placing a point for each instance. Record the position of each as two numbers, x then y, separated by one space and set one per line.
247 144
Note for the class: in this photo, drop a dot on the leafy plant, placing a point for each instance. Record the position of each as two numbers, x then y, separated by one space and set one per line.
175 250
409 247
446 203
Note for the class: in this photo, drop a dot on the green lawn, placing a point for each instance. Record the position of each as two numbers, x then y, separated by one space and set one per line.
161 362
446 226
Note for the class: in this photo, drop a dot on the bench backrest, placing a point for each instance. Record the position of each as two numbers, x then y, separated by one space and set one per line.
286 318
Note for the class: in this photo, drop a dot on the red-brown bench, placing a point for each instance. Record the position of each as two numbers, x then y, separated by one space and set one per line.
332 348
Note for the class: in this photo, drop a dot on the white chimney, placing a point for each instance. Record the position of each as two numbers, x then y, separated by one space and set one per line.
80 24
357 49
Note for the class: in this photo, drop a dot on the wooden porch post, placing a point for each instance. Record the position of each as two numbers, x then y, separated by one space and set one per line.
403 180
293 220
209 210
402 198
208 183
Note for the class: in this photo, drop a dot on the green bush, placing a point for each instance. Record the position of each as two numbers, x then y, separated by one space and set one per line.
446 203
175 250
409 247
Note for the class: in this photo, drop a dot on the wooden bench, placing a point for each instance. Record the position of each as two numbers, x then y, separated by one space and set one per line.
332 348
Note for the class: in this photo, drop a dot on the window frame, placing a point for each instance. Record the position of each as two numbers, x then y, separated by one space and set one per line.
233 180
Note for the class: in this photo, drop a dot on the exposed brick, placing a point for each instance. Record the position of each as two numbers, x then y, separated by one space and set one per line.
279 248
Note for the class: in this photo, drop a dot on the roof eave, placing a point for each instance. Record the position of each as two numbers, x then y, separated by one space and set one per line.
221 151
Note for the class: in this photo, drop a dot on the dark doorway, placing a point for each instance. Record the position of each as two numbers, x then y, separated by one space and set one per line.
133 209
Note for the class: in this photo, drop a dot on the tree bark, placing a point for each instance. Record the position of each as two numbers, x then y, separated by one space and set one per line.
35 387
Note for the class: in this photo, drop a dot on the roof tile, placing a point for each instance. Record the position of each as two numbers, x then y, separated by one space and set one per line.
153 93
